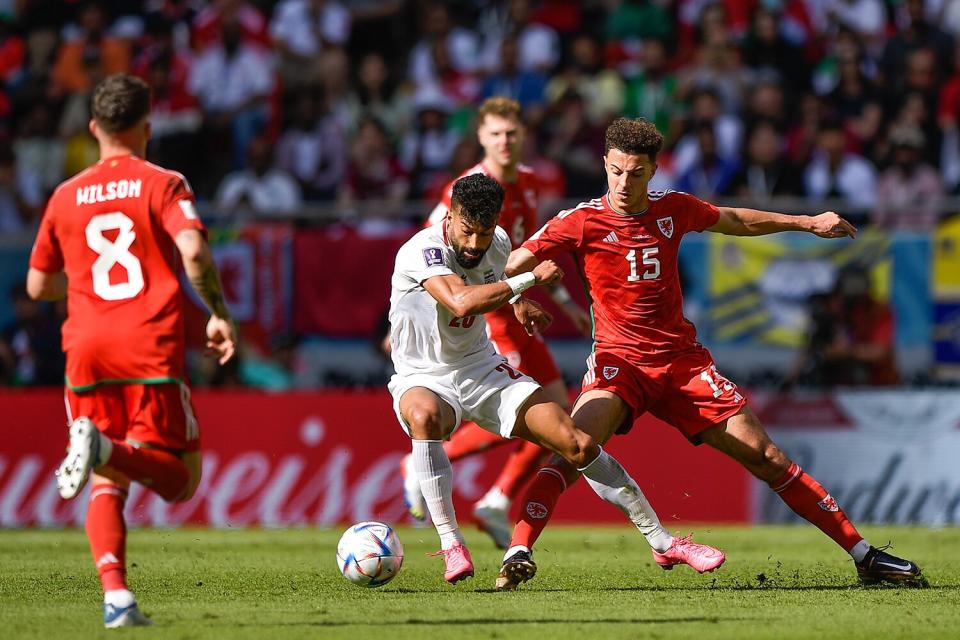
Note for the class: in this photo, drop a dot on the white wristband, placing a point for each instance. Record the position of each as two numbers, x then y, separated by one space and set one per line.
520 283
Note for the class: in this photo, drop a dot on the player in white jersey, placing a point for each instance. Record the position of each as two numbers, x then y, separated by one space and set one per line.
445 278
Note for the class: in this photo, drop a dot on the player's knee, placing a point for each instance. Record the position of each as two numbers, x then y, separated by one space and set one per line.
425 423
582 449
772 462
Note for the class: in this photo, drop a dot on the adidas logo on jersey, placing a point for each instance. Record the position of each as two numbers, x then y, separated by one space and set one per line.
612 237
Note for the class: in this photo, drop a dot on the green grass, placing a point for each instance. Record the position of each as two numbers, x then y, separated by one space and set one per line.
593 583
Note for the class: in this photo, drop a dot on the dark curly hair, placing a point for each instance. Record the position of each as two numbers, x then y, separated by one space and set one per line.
633 137
119 102
479 198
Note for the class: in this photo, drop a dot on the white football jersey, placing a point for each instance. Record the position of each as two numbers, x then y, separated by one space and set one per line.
424 335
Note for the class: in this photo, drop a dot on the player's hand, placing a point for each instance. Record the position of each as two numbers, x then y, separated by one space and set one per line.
221 339
579 317
532 316
547 272
831 225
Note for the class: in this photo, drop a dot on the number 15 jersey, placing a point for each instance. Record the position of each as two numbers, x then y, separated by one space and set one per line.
111 229
630 266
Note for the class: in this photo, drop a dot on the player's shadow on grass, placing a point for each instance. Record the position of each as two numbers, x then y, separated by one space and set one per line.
494 621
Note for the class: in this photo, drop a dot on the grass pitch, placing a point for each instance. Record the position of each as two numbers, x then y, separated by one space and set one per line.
778 582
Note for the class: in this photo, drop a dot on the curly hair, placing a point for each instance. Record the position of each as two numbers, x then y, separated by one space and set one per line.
119 102
479 198
500 106
633 137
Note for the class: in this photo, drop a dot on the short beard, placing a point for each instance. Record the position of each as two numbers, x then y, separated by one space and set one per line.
468 263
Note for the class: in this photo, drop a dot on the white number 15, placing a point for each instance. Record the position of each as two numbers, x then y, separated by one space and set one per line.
649 258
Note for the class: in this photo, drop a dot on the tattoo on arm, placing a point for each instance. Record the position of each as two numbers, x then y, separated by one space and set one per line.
206 282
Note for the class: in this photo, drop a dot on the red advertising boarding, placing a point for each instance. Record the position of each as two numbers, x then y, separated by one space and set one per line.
325 458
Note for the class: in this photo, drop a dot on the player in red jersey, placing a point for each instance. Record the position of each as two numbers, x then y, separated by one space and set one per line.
646 357
108 242
500 132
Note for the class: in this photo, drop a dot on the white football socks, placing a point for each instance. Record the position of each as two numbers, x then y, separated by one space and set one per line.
612 483
433 469
119 598
495 499
859 551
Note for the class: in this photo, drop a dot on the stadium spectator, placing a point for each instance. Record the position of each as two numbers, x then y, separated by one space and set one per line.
261 188
13 52
915 32
915 102
426 150
652 93
30 345
866 18
602 90
232 80
573 142
20 195
711 174
301 30
207 27
851 337
909 192
526 87
537 44
765 103
438 27
835 172
313 149
39 151
93 54
856 99
766 172
637 19
767 49
375 93
374 173
716 65
705 106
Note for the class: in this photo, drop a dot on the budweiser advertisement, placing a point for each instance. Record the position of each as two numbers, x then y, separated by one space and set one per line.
325 458
884 456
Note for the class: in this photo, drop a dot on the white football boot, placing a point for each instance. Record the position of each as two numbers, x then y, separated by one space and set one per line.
85 441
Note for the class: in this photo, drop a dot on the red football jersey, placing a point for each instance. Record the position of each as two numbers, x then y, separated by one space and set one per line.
518 217
111 229
630 266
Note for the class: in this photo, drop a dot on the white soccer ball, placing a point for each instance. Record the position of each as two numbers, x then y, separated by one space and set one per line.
369 554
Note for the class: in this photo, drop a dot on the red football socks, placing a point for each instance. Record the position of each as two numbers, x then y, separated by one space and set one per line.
158 470
538 503
107 533
520 467
469 439
810 501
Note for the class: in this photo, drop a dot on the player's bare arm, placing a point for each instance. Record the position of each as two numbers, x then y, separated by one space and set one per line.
205 280
467 300
46 286
521 260
534 318
737 221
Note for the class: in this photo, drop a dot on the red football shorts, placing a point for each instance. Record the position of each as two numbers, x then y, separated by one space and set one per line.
526 353
154 415
688 393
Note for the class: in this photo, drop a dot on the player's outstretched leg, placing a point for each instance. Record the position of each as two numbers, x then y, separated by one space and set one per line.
107 533
429 419
159 470
743 438
491 511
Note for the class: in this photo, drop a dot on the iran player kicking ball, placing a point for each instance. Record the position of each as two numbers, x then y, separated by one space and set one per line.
645 355
500 132
107 242
445 278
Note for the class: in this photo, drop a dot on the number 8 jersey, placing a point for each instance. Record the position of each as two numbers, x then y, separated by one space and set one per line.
630 266
111 229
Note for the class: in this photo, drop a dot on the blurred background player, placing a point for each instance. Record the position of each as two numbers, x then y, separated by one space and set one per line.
646 357
500 131
447 369
108 243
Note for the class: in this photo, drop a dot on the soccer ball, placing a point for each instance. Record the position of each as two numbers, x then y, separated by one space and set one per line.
369 554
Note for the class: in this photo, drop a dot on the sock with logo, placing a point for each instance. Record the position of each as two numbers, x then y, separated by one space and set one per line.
470 439
520 467
107 533
159 470
810 501
539 501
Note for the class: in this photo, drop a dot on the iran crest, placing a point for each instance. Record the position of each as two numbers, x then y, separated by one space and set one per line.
666 226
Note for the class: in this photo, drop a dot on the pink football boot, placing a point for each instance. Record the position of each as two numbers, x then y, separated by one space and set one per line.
701 557
459 565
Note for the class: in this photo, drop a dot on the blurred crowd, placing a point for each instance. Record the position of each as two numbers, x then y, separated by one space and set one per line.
266 105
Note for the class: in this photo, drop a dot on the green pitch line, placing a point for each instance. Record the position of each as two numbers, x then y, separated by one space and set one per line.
779 582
